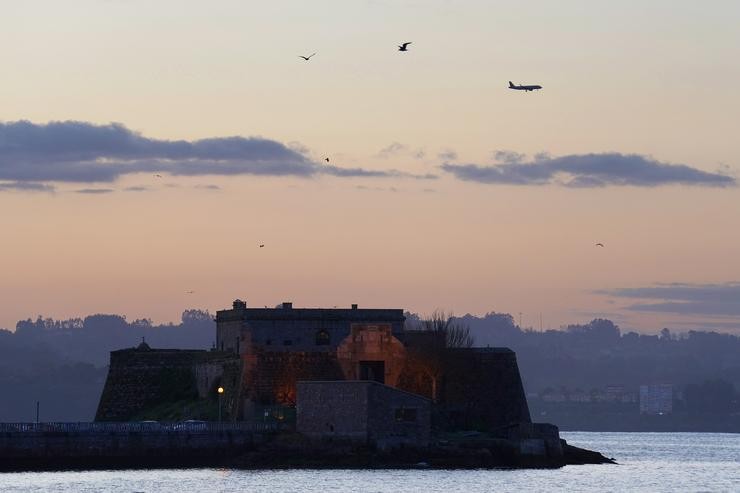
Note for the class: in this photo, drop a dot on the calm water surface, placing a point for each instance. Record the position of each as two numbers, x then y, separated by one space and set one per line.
648 462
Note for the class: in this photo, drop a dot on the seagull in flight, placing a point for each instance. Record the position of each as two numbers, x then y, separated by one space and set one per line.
600 245
190 292
262 245
326 159
307 58
157 176
404 47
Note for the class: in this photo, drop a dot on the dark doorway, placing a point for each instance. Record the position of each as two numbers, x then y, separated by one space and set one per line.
372 370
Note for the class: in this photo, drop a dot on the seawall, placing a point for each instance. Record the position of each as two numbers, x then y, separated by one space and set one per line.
54 446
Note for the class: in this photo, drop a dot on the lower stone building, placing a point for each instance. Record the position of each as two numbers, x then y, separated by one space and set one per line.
363 411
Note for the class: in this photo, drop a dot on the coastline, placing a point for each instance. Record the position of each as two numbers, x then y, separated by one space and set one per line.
280 451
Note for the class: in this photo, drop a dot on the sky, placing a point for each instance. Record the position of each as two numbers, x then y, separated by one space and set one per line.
147 149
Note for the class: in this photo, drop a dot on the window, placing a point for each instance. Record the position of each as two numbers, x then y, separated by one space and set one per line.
323 338
406 415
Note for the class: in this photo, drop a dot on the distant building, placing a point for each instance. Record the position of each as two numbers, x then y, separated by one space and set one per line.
579 396
656 399
614 393
554 396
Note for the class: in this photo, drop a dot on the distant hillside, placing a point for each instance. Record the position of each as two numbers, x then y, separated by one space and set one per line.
597 354
62 363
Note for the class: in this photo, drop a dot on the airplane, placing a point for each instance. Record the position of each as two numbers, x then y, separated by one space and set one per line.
523 88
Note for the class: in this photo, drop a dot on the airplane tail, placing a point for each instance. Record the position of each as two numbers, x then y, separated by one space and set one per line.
511 85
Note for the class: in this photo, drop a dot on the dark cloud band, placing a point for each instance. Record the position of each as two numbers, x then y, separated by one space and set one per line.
26 187
82 152
586 171
685 299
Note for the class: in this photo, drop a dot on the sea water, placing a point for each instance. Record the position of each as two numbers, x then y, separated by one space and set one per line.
647 462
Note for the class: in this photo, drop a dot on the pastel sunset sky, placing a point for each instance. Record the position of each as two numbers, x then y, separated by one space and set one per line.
148 148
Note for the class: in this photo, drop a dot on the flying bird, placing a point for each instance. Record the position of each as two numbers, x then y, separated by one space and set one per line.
600 245
158 176
190 292
262 245
326 159
404 47
307 58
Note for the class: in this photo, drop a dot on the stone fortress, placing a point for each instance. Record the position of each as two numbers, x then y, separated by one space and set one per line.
285 358
311 388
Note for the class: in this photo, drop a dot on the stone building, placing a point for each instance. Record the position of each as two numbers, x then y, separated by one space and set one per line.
280 346
244 330
363 411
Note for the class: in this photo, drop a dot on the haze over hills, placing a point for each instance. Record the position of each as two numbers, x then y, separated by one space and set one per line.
62 363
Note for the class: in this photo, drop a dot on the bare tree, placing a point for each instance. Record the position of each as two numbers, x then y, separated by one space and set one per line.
453 333
429 355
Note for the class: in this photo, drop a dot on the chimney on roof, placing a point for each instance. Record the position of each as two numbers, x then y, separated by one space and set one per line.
354 306
287 305
240 305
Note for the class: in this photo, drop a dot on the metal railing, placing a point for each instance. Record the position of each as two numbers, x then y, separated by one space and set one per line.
140 427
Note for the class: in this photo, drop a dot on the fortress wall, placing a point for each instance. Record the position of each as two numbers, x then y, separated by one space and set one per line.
271 377
141 378
121 449
483 389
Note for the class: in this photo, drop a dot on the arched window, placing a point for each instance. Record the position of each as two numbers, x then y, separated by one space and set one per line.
322 338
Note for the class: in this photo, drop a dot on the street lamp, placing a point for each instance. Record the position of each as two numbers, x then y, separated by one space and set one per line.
220 400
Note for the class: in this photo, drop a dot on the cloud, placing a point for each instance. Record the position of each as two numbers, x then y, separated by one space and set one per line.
397 149
95 191
298 147
377 189
447 155
391 149
136 189
685 299
81 152
707 326
420 154
365 173
509 157
26 187
208 187
586 171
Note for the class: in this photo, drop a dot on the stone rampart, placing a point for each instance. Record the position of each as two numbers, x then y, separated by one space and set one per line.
140 378
483 389
73 445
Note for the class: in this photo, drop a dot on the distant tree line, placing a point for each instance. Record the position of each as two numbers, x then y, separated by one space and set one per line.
598 354
63 362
